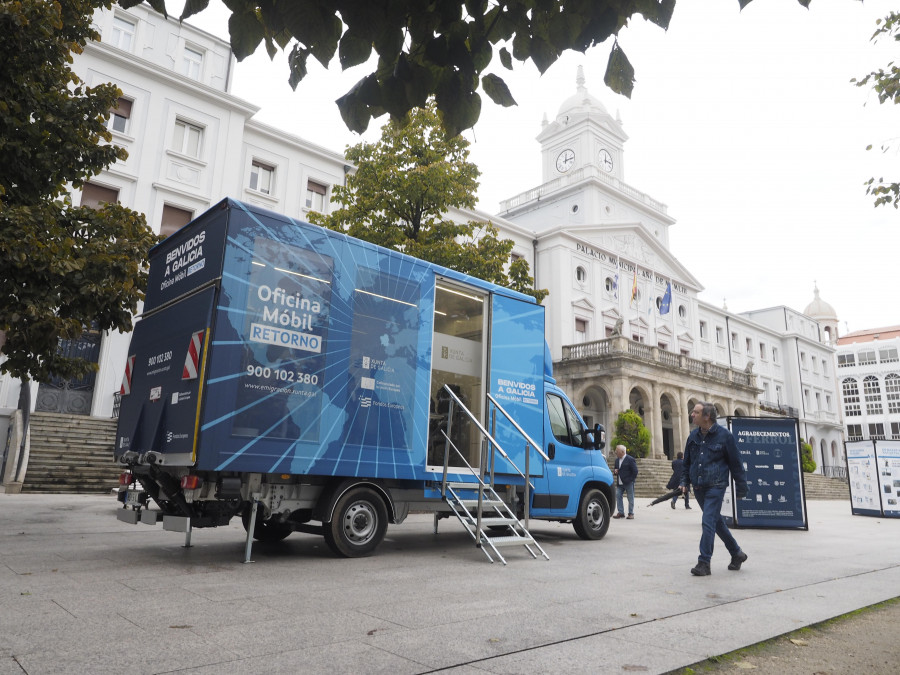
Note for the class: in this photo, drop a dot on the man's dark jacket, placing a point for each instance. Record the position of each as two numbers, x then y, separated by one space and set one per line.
627 467
677 470
709 458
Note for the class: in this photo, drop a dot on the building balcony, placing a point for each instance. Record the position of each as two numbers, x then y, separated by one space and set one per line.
778 409
617 348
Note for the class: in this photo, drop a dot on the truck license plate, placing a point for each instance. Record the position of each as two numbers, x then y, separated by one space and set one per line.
133 497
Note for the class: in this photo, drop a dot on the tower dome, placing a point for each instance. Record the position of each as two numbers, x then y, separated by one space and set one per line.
581 102
824 313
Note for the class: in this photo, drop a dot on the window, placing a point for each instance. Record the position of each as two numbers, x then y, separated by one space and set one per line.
895 431
824 367
703 330
122 33
682 312
749 345
581 327
854 432
846 360
186 138
888 355
94 195
867 357
610 285
876 431
192 63
662 345
872 394
563 421
851 398
774 355
818 401
513 257
734 341
119 116
719 335
803 360
778 396
765 386
892 392
580 274
173 219
261 178
806 398
828 402
315 200
762 351
638 338
815 364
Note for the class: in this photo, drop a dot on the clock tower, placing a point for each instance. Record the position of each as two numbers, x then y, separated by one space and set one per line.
583 134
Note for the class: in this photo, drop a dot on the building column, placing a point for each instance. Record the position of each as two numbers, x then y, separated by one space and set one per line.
684 420
656 441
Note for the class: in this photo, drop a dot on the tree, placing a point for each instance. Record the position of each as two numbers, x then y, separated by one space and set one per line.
631 432
61 267
886 84
807 463
401 192
439 49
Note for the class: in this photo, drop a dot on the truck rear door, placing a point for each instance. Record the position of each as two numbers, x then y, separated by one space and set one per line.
162 388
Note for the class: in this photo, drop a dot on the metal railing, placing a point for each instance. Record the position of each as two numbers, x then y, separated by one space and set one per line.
835 472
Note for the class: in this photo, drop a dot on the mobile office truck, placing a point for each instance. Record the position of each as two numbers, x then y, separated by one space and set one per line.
308 381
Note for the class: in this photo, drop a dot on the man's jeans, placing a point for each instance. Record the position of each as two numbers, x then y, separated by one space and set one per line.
629 489
710 500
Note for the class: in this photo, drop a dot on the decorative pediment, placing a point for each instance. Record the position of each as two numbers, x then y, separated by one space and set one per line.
583 304
686 338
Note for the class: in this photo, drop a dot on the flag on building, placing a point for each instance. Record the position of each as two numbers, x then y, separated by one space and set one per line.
666 304
615 287
634 288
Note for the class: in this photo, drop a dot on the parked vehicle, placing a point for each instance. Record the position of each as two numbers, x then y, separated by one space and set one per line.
308 381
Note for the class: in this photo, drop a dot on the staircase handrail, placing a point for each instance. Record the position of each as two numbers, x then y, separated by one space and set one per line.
529 439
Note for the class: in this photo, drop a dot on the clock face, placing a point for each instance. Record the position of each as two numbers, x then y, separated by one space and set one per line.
565 160
606 160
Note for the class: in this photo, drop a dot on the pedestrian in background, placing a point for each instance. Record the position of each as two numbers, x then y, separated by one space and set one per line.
675 480
709 455
626 472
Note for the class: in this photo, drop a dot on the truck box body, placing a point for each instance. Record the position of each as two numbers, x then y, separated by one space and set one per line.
271 347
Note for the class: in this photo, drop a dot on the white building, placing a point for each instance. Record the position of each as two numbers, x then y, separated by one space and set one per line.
869 373
598 244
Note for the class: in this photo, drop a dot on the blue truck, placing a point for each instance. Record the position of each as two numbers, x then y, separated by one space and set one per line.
307 381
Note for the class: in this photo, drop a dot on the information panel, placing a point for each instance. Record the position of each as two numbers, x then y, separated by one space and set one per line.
887 456
770 452
862 472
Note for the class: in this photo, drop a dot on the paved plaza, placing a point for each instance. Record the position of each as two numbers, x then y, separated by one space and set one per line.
81 592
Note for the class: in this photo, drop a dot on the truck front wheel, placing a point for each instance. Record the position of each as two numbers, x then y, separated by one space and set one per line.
592 519
358 525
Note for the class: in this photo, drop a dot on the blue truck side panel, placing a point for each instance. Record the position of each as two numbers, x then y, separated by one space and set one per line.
317 350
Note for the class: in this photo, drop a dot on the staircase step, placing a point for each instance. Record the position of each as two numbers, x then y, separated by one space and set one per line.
510 541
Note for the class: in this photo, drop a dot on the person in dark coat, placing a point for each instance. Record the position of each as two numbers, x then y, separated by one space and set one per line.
675 480
625 471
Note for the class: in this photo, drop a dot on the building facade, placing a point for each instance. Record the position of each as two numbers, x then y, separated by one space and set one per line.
626 327
869 373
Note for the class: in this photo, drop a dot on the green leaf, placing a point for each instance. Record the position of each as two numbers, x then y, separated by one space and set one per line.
192 7
619 72
505 59
353 50
297 63
159 6
496 88
246 34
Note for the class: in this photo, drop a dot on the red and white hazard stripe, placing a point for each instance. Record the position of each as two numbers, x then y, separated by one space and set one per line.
126 379
192 360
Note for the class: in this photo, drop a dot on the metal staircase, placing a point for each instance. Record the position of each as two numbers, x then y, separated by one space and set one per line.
486 516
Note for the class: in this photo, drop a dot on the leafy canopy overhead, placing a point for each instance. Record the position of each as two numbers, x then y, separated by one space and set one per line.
63 267
886 84
437 48
401 192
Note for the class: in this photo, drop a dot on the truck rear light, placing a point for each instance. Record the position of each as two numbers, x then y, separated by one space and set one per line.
126 478
190 482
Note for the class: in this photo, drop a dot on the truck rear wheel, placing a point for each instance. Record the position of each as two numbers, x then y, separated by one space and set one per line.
592 519
358 524
265 530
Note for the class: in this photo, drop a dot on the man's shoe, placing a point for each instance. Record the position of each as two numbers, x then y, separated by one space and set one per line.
672 504
687 507
737 561
701 569
618 515
630 516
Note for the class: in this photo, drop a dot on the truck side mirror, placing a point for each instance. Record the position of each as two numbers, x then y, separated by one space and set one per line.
599 436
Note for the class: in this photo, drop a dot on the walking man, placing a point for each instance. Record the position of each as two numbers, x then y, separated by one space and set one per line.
625 472
675 480
709 454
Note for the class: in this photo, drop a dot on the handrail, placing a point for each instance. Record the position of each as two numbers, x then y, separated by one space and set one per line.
484 432
528 438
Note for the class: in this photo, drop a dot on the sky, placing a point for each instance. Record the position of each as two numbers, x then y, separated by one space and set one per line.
744 123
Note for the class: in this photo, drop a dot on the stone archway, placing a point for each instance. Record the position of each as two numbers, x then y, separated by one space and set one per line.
668 414
595 407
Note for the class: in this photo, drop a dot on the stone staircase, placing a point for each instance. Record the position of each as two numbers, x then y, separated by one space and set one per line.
70 454
653 474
